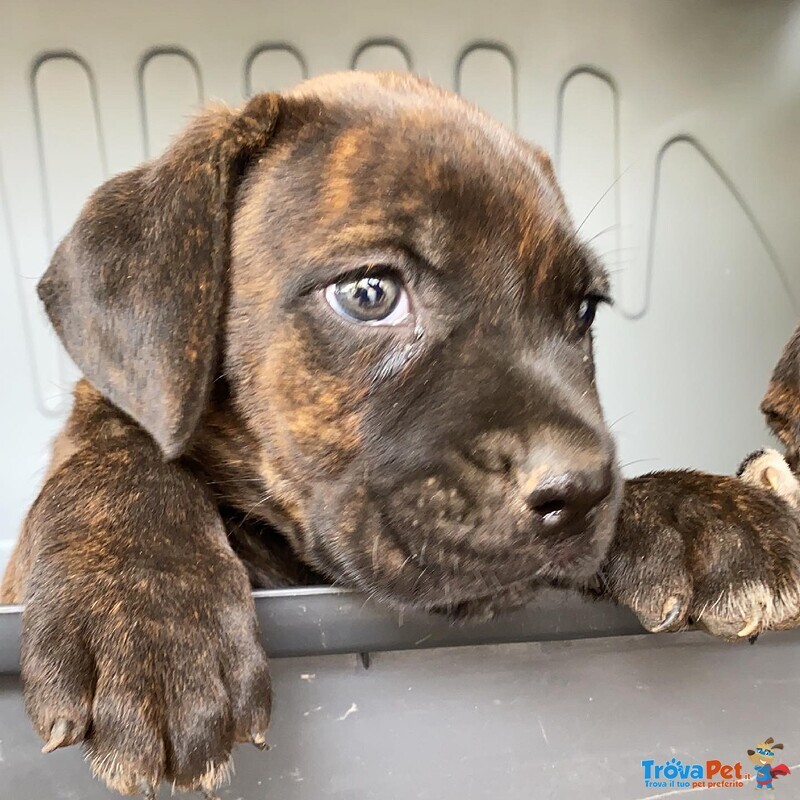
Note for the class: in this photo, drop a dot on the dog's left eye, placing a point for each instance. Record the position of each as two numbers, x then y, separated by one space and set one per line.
369 300
587 311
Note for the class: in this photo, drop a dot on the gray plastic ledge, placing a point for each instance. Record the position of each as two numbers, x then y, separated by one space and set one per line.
317 621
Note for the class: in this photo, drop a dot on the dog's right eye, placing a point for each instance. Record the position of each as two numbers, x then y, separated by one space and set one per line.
586 313
377 299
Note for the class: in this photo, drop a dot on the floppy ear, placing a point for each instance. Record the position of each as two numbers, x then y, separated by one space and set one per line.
136 289
781 404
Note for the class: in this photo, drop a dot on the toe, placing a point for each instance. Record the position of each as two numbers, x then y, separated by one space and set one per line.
126 747
248 681
58 685
200 734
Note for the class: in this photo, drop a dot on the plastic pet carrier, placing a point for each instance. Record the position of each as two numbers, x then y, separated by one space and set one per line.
674 128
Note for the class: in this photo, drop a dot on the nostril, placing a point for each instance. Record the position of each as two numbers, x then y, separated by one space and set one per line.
551 502
549 508
561 501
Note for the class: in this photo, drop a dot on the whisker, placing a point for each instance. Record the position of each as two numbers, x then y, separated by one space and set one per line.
234 480
619 419
637 461
600 233
617 250
261 502
603 196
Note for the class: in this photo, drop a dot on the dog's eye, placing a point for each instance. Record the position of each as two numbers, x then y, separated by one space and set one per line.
587 311
370 300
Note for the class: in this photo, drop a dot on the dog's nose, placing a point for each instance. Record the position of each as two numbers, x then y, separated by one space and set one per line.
561 473
563 499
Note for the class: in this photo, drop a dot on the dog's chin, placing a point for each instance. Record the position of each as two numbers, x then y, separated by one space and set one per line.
468 588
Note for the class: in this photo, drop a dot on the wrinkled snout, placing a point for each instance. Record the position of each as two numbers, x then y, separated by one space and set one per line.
560 474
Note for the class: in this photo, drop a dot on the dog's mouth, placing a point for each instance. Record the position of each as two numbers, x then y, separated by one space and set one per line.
431 547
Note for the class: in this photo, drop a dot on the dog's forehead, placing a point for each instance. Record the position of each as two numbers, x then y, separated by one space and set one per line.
370 158
423 125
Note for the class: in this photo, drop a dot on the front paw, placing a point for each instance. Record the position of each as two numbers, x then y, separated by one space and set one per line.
705 551
158 681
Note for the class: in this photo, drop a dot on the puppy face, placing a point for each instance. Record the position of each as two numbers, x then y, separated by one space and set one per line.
362 310
407 344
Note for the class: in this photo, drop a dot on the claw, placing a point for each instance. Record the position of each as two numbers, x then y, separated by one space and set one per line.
597 585
670 611
209 795
259 740
60 734
750 628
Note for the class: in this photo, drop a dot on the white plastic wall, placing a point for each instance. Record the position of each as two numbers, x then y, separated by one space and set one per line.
674 126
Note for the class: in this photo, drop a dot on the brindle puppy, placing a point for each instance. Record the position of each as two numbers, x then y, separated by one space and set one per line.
341 334
781 405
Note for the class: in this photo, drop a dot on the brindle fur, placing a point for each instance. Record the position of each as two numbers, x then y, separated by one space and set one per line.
692 548
781 404
232 431
708 550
